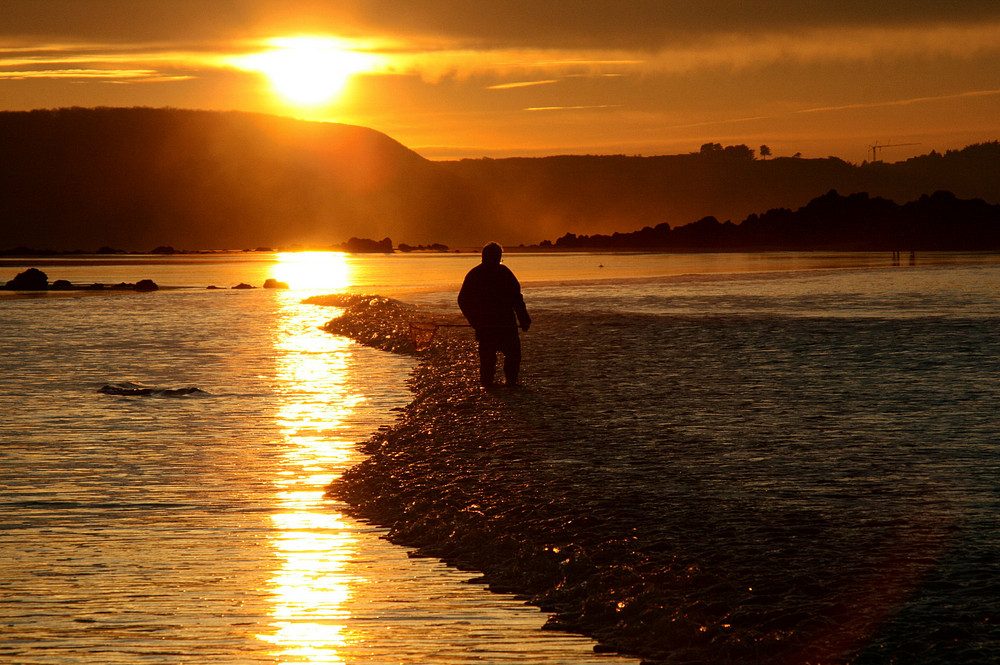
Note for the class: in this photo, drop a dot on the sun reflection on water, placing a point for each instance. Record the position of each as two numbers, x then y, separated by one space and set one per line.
312 543
313 271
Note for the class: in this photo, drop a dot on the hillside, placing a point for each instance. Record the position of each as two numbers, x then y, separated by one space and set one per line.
603 194
140 178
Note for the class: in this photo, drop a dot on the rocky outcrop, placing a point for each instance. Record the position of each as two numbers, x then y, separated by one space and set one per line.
34 279
31 279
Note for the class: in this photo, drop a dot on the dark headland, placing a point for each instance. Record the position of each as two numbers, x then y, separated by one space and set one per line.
136 178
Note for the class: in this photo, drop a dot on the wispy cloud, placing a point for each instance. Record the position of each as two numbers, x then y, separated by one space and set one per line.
903 102
522 65
834 45
572 108
122 63
837 45
521 84
839 108
114 75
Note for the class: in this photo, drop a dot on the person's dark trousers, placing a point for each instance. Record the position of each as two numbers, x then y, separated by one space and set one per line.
499 340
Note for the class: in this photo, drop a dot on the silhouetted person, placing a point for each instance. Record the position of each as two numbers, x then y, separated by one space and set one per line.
491 300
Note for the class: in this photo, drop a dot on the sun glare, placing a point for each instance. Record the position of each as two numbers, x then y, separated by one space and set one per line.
315 271
307 71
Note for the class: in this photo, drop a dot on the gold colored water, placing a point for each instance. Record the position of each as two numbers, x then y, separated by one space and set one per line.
195 529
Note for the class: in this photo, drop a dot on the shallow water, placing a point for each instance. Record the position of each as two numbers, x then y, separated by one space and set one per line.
194 528
833 423
822 444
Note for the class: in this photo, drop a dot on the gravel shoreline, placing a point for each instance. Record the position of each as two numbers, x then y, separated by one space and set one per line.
460 478
590 514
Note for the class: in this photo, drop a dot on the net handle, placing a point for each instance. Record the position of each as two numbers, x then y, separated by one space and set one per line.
422 332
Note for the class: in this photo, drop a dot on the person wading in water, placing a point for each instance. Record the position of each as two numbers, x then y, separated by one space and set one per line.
491 300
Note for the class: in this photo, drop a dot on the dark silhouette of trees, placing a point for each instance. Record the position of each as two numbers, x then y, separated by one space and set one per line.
857 222
729 152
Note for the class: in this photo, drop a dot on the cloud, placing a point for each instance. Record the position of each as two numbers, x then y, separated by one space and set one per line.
835 46
434 60
644 25
521 84
903 102
837 109
733 52
572 108
132 62
114 75
525 40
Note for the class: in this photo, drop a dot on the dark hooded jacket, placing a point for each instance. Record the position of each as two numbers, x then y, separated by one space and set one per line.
491 298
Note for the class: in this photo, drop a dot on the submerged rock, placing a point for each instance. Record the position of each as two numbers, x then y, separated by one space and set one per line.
132 389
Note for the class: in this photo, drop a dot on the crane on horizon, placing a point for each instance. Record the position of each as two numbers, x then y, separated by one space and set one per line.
873 149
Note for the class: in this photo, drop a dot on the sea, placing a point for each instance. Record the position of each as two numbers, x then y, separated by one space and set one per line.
163 524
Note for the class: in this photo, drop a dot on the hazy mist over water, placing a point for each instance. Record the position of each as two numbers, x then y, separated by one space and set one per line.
819 407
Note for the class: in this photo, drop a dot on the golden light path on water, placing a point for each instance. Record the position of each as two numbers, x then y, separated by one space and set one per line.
314 545
339 593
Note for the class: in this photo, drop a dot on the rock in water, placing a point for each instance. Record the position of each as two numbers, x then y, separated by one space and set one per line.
31 279
132 389
124 390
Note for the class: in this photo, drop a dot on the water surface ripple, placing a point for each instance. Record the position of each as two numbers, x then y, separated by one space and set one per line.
193 528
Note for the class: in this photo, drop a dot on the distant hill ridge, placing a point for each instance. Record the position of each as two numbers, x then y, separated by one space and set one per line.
858 222
602 194
140 177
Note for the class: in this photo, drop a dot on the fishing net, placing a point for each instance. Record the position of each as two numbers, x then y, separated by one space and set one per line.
422 334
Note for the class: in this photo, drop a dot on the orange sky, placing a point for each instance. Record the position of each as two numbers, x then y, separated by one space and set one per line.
457 78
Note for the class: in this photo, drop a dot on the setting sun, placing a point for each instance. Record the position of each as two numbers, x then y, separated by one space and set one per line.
307 71
313 270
